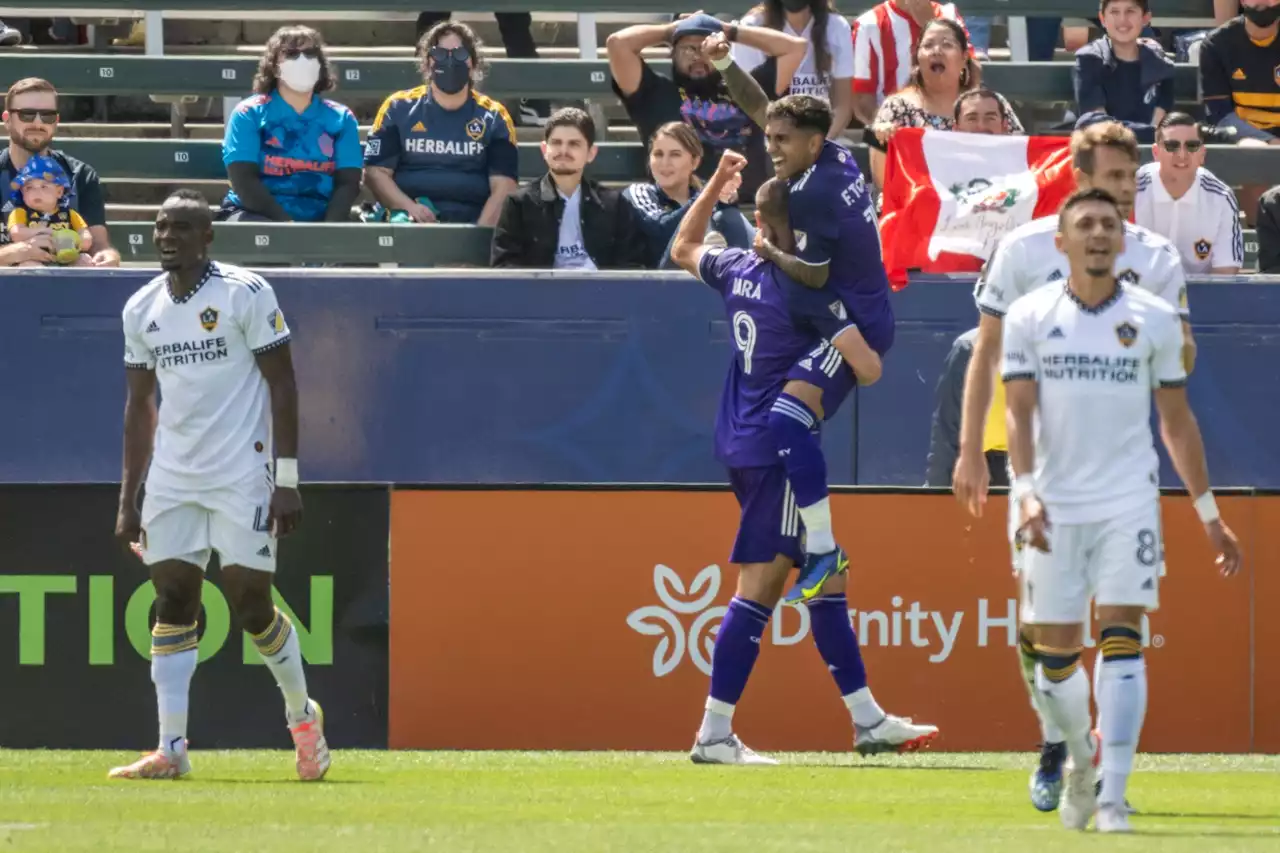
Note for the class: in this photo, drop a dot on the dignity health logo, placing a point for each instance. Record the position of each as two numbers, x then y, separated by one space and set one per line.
664 621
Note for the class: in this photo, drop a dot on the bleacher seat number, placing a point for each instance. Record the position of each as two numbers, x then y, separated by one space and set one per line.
351 73
135 239
181 157
262 240
228 74
597 76
106 71
387 241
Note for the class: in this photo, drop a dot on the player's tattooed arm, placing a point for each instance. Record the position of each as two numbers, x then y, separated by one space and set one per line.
140 416
810 275
746 93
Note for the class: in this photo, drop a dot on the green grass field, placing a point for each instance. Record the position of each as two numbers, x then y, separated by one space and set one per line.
530 802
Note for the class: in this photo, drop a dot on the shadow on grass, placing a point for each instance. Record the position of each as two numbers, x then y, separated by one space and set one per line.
1212 816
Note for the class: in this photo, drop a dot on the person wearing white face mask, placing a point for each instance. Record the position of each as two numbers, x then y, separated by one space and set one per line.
291 155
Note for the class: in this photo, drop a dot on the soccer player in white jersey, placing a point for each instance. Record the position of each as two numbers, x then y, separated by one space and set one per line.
1180 199
212 338
1082 361
1105 156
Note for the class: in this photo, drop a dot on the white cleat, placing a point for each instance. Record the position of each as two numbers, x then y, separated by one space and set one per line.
1079 797
892 734
1113 818
731 750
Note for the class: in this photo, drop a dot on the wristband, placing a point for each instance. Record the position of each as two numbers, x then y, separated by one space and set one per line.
730 32
287 473
1207 508
1021 487
722 64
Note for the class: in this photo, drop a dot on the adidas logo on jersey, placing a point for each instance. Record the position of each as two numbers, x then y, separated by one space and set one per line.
419 127
1056 333
1238 75
264 551
837 308
1149 583
807 363
154 327
1056 275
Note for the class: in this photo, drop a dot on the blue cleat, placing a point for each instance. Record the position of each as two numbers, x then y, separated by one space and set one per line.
816 571
1045 784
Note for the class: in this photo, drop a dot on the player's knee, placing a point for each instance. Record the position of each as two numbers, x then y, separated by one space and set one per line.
1120 642
1057 664
177 595
250 598
1026 645
807 393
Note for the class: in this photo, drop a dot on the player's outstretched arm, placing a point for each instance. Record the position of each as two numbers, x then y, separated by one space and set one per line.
276 365
745 90
687 248
140 416
810 275
972 477
1181 435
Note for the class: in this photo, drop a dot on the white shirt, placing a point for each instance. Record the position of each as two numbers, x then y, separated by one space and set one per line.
1204 224
215 408
807 79
571 253
1027 259
1095 369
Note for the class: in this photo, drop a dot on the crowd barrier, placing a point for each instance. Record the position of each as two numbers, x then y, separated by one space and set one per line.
481 377
601 598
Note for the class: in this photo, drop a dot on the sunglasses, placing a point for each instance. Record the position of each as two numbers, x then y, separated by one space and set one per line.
442 54
308 52
46 116
1173 146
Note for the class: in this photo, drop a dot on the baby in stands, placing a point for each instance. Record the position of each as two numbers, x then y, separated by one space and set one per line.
41 197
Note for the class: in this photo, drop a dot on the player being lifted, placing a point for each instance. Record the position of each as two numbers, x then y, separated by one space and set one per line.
837 258
1105 156
212 338
771 333
1082 361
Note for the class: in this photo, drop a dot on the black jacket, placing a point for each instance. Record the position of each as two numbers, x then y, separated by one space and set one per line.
528 230
944 438
1269 232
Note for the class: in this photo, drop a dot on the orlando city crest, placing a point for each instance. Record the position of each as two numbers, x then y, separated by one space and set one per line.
209 319
1126 333
1203 248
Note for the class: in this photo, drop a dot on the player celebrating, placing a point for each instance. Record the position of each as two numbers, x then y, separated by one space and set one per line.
770 335
837 254
1105 155
212 337
1082 361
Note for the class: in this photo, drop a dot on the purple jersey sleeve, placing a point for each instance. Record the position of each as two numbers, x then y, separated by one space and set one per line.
718 266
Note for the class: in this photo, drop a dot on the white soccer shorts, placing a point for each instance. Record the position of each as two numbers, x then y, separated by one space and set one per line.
189 525
1117 562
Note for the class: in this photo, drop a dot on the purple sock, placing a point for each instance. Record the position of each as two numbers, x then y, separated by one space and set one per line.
736 650
791 423
837 643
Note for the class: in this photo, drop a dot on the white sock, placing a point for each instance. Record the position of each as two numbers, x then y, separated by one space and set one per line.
1067 704
1048 728
864 708
717 721
279 648
171 674
1122 705
818 538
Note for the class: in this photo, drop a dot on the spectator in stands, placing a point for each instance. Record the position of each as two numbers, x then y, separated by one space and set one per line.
885 39
1122 76
981 111
291 154
561 220
661 204
1269 232
1182 200
31 115
9 37
827 68
1225 10
443 152
944 435
941 69
696 93
517 38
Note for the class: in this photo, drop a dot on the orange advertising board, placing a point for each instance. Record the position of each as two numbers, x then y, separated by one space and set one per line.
596 628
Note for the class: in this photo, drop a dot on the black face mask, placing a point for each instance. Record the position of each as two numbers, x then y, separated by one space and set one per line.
1261 17
795 5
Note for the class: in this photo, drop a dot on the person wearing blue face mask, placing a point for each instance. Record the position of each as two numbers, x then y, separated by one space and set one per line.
443 152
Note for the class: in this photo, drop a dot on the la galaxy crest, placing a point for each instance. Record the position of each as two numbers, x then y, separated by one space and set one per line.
475 129
1203 248
209 319
1126 333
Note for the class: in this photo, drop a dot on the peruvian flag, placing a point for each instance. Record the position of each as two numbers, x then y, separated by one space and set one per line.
949 197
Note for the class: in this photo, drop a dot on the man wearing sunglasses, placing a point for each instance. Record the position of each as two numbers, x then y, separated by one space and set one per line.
1180 199
31 116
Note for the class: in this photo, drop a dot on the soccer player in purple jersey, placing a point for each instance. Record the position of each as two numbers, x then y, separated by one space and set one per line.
837 259
771 332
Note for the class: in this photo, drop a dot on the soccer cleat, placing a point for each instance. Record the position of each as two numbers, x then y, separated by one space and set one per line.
730 750
892 734
154 765
1112 818
310 747
1079 796
816 571
1045 785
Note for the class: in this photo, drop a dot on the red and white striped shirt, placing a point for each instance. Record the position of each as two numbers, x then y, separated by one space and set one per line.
884 42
